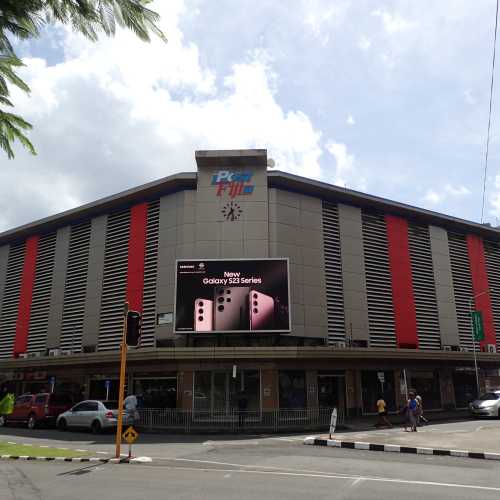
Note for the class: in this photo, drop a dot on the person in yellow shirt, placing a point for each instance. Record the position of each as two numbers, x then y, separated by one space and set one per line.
382 413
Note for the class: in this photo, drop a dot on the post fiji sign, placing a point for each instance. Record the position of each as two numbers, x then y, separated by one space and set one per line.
233 183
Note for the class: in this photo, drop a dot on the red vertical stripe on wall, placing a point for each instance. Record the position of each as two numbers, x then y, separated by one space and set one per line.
26 295
402 283
480 284
136 254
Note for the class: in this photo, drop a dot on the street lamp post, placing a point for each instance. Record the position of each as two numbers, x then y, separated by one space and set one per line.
472 299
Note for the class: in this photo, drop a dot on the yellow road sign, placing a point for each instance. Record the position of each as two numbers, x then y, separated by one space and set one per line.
130 435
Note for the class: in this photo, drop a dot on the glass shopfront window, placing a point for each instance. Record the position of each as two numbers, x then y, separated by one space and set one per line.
292 389
374 385
464 384
331 390
219 392
156 392
425 383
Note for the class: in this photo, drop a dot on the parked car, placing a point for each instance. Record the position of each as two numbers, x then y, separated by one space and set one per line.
35 409
487 405
91 414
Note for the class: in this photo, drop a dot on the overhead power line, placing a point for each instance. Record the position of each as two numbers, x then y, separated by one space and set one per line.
489 115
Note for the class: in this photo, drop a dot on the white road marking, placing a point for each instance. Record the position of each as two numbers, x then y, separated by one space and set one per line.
80 450
103 452
327 475
10 442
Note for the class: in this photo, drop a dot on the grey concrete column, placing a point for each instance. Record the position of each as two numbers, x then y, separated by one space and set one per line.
167 242
444 286
90 335
54 324
4 258
353 273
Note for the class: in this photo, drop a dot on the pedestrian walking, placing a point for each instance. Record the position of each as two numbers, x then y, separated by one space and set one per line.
382 413
411 413
421 420
130 406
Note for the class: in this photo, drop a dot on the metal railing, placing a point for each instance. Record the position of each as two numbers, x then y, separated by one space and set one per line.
281 420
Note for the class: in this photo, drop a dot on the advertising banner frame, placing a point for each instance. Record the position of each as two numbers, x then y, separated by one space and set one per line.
242 332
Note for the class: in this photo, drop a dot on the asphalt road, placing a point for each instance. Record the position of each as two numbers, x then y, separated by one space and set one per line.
209 467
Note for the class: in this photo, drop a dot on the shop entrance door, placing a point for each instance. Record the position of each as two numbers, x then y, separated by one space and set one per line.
331 391
219 393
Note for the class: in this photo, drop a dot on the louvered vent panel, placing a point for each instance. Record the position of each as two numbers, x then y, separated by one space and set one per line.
75 287
492 254
333 268
378 282
151 260
10 302
114 281
424 288
42 289
462 285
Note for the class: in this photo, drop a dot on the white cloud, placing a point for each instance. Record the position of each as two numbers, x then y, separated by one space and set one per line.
350 120
364 43
120 112
469 97
433 197
456 190
345 173
393 23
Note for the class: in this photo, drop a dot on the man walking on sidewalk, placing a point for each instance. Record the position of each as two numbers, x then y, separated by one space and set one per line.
382 413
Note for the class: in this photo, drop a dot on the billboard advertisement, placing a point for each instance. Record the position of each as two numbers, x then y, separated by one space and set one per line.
245 296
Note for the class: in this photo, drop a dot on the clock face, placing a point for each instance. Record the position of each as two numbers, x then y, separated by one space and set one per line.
232 211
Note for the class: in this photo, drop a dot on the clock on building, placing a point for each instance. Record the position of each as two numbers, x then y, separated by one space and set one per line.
232 211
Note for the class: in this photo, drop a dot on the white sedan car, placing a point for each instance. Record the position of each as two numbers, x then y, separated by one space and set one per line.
487 405
94 415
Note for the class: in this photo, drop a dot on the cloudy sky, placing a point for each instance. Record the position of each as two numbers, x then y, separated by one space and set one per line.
389 97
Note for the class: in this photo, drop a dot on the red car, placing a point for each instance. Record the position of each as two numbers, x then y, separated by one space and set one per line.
35 409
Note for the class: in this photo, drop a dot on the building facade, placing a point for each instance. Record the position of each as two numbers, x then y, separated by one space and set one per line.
380 292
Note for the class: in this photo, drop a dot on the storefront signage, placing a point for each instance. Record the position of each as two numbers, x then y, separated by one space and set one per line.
477 326
233 183
232 296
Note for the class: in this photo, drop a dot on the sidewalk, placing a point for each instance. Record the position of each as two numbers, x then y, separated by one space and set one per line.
475 436
366 423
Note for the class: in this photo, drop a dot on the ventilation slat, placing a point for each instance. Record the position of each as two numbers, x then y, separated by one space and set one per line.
114 281
42 288
333 277
462 285
424 288
378 281
75 287
150 269
492 255
10 303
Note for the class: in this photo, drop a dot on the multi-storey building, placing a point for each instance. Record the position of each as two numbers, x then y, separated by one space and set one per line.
379 290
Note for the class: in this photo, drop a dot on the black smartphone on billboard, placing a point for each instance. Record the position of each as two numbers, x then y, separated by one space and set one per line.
231 308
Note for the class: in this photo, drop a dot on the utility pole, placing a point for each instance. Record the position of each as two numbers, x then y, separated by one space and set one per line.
123 363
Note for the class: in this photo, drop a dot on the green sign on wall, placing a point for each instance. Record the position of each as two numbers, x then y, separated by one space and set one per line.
477 326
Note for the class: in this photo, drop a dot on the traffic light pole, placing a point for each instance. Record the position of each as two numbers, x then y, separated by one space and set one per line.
123 363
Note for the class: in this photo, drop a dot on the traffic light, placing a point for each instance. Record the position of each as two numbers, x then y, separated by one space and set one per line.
133 337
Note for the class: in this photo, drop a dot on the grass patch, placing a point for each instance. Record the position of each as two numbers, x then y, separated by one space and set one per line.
37 451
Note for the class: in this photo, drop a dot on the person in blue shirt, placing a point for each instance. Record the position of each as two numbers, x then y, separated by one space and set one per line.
412 412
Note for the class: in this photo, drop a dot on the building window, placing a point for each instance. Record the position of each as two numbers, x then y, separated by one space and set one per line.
221 393
464 384
156 392
292 387
374 385
426 384
164 318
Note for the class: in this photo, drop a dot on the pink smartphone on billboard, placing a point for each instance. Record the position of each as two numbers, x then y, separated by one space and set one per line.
203 315
261 308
